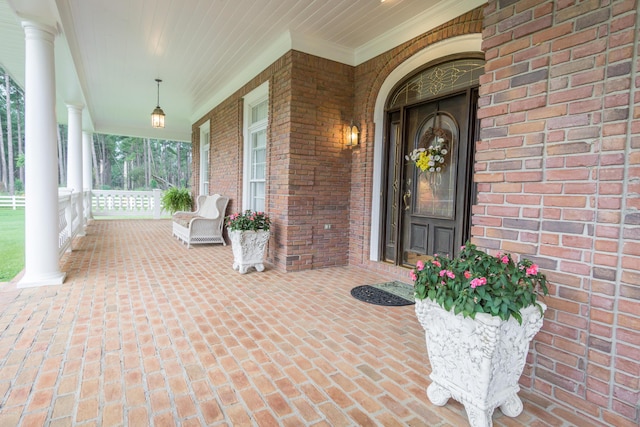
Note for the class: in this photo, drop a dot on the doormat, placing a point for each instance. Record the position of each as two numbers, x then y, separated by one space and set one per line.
387 294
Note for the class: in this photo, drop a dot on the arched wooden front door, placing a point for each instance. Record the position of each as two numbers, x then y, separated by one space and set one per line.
428 212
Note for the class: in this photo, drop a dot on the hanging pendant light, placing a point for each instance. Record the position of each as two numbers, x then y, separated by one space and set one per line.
157 117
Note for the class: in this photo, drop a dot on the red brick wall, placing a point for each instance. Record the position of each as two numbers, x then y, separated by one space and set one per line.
279 129
319 164
557 171
310 102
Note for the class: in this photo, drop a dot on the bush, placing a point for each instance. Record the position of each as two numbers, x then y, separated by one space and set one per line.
476 282
176 199
248 221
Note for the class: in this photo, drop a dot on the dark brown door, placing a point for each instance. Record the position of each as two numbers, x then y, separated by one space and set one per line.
428 212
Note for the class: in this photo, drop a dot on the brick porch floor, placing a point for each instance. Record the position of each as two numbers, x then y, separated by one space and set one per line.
147 332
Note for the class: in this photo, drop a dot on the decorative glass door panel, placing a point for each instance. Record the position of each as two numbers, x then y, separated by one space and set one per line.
430 222
436 189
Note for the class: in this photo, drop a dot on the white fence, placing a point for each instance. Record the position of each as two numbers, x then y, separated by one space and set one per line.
12 202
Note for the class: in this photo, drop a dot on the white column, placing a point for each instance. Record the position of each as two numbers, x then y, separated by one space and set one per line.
87 170
74 160
41 160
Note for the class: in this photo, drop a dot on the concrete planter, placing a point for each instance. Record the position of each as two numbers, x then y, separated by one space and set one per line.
478 362
248 249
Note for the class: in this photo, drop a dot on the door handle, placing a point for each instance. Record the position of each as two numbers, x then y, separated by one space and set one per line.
406 199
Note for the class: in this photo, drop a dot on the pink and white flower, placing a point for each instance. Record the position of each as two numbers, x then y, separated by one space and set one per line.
478 281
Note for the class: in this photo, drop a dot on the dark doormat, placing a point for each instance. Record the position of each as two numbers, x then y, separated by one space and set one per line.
388 294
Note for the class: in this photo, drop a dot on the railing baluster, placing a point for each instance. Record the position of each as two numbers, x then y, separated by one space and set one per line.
126 203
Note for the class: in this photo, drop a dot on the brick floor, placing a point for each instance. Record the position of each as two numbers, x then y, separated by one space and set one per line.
147 332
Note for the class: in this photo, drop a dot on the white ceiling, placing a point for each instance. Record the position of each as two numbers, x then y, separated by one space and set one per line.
110 52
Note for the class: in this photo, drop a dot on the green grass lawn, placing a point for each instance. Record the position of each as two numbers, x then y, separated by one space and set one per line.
11 243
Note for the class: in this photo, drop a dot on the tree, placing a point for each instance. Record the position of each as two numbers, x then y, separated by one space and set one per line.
148 162
19 117
9 135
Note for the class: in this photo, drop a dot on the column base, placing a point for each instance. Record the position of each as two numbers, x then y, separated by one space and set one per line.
35 280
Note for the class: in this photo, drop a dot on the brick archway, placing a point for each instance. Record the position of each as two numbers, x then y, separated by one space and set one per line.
462 44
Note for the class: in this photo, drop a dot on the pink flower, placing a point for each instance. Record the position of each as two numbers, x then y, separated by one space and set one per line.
420 265
437 263
504 259
478 282
467 274
413 276
533 270
448 273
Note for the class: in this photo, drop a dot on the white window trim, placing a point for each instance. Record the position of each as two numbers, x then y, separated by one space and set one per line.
255 97
205 134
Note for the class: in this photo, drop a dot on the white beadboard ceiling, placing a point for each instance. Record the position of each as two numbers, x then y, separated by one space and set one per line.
109 52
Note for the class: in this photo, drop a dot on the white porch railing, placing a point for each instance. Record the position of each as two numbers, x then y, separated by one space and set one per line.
126 203
12 202
100 203
68 219
95 202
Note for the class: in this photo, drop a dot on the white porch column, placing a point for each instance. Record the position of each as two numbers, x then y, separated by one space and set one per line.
87 171
74 159
41 160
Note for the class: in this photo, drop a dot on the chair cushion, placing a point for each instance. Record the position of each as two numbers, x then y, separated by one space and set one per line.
184 218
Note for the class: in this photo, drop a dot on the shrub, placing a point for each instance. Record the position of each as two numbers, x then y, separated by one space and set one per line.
476 282
248 221
176 199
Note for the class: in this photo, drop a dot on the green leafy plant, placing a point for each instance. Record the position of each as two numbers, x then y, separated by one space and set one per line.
248 221
20 160
176 199
476 282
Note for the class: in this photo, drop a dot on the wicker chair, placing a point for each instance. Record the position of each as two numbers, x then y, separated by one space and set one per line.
205 224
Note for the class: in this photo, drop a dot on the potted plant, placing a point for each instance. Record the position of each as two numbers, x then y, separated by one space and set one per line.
479 313
249 234
176 199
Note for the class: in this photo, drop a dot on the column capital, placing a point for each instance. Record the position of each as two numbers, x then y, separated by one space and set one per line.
74 106
37 30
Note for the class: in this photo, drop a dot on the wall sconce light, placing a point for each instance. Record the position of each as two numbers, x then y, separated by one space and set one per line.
353 135
157 117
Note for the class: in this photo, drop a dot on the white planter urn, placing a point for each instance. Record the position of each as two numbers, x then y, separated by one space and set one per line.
478 362
248 249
